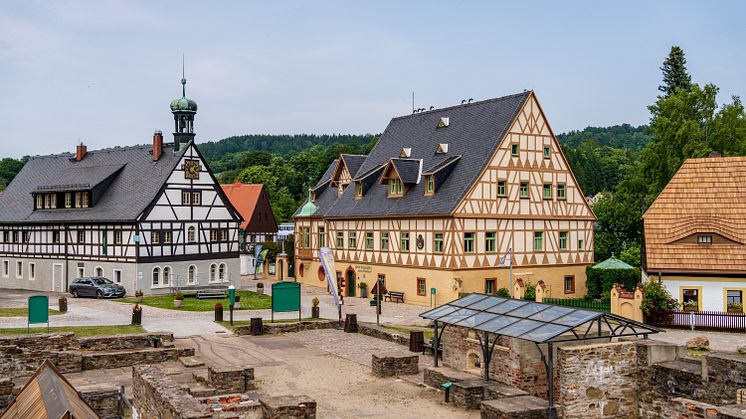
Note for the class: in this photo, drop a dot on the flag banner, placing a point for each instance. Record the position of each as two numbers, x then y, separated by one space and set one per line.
260 259
327 261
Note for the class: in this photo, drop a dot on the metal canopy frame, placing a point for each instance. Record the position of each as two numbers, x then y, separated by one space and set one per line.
540 323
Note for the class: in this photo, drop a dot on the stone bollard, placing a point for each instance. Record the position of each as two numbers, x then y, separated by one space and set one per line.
394 364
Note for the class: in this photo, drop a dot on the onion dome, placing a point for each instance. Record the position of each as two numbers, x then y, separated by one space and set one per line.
183 104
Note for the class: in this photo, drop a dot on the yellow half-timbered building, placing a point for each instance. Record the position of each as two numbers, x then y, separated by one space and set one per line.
442 202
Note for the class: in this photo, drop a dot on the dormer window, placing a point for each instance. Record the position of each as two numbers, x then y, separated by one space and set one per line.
704 239
396 188
358 189
443 122
405 152
442 148
429 185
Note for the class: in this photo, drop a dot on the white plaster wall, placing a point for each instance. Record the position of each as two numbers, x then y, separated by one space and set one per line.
712 291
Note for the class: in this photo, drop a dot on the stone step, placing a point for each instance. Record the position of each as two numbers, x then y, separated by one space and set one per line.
191 361
128 358
201 377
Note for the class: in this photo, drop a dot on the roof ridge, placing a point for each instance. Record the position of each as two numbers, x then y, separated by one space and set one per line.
479 102
100 150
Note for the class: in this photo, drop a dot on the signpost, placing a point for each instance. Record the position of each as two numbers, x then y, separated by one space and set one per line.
286 297
232 299
327 261
38 310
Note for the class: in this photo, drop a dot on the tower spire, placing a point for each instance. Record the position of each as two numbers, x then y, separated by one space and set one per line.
183 78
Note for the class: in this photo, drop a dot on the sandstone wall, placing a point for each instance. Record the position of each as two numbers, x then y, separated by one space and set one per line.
598 380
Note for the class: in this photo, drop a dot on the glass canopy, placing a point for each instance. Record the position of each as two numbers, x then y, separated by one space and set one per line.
528 320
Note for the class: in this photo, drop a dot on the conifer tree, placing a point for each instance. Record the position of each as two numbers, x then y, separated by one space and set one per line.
675 75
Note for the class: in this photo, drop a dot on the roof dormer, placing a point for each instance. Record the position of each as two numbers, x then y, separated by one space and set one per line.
405 153
443 122
442 148
400 175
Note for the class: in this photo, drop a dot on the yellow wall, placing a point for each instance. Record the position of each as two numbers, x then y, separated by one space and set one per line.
447 282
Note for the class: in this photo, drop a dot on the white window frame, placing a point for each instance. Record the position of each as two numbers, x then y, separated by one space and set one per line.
213 272
166 282
31 271
156 271
99 268
222 277
192 274
192 234
19 264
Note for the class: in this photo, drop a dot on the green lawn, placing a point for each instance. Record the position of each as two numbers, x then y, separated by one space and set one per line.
249 301
21 312
80 331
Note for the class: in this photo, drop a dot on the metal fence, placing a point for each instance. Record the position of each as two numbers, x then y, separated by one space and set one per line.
598 305
702 320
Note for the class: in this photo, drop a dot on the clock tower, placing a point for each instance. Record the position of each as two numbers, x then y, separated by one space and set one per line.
184 110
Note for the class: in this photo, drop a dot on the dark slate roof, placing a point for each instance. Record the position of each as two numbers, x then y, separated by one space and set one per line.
79 178
353 162
408 169
130 192
474 132
327 176
442 165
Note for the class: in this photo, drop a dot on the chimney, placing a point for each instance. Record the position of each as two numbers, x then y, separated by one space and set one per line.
80 151
157 145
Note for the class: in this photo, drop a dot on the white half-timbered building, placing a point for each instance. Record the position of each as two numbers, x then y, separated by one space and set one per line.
148 217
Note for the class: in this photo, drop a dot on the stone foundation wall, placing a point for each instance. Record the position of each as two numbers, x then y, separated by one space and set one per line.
285 327
6 393
384 333
395 364
288 407
156 395
112 343
598 380
105 360
725 374
231 379
107 402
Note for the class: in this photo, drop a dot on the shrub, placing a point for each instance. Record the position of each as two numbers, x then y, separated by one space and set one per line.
315 301
530 293
657 301
503 292
260 285
362 285
600 281
179 296
138 293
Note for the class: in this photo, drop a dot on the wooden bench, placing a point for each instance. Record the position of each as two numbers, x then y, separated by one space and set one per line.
394 296
210 293
428 346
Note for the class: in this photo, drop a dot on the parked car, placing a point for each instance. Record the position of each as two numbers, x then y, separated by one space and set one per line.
97 286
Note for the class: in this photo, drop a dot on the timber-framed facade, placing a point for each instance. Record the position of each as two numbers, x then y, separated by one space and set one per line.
443 200
149 217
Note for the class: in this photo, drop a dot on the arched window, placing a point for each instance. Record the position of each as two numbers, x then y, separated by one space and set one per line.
192 274
221 272
99 271
191 234
156 276
213 268
166 275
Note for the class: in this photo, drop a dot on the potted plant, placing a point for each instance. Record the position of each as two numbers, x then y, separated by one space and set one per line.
260 288
178 300
363 289
690 306
237 303
315 308
62 303
732 308
137 314
138 296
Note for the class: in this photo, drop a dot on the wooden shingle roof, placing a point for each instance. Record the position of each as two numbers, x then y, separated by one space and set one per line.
707 196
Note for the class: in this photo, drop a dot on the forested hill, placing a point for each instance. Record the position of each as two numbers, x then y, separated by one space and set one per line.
623 137
284 145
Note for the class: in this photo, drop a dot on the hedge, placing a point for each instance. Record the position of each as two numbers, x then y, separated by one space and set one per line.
600 281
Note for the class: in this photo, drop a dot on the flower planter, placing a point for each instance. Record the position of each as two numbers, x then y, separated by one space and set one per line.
363 292
177 303
138 299
315 312
732 310
260 290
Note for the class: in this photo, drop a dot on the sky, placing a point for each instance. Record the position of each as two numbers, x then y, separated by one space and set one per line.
104 72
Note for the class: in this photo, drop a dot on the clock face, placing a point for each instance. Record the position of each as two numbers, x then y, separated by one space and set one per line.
420 242
191 169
